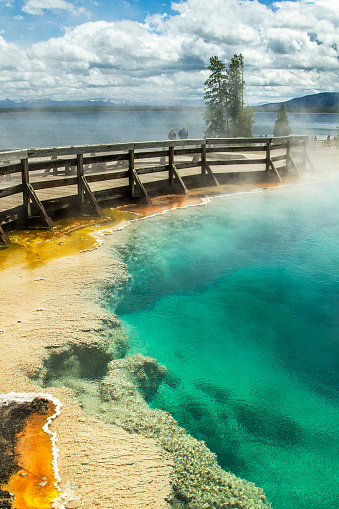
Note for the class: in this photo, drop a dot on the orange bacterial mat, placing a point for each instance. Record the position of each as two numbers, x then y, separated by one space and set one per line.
34 485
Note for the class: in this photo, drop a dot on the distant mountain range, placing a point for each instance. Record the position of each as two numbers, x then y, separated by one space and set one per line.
84 105
50 103
323 102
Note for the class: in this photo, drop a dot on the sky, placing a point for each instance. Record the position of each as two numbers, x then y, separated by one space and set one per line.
157 52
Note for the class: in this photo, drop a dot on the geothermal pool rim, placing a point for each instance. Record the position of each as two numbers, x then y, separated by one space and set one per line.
81 166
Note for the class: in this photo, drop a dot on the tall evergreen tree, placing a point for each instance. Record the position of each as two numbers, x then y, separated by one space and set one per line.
245 122
216 96
235 87
282 125
224 98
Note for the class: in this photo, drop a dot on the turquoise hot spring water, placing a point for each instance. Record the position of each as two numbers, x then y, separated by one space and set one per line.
240 300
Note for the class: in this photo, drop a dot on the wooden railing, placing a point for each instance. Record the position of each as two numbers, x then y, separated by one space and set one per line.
120 169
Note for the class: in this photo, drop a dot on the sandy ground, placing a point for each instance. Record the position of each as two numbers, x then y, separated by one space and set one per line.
49 307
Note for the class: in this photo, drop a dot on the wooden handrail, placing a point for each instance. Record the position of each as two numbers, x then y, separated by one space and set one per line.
117 161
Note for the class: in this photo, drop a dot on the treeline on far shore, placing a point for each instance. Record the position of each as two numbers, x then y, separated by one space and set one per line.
291 109
74 109
20 109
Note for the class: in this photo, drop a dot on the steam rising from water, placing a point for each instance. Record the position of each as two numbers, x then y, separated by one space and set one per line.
38 129
239 299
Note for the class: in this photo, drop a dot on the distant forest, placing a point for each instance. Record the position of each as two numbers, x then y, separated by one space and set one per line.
295 109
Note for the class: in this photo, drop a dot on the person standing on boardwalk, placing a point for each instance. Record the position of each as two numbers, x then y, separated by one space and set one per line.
183 133
172 135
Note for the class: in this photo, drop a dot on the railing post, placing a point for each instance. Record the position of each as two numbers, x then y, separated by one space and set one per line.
304 157
25 184
80 174
203 161
268 155
288 155
130 172
84 191
171 163
55 168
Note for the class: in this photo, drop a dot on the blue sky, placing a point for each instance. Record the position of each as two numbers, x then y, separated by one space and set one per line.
157 52
24 21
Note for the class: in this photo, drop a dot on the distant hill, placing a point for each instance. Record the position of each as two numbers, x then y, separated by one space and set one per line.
327 102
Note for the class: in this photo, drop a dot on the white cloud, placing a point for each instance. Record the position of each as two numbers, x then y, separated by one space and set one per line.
292 50
36 7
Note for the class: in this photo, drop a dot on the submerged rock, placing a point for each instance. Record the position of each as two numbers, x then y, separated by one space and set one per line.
198 482
134 377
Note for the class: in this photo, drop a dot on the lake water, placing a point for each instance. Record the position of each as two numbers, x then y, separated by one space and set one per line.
240 300
34 129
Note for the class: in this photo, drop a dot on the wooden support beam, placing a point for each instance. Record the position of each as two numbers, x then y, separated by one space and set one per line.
4 239
84 191
171 165
35 200
80 175
130 172
211 174
290 160
309 161
275 169
268 155
89 194
288 155
203 163
141 187
304 158
55 167
179 179
29 196
25 183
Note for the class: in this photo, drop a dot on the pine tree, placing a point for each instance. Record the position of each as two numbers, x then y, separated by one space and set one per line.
245 122
282 126
216 96
224 98
235 87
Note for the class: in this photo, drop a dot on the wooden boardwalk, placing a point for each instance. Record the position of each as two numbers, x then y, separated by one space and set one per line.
36 184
